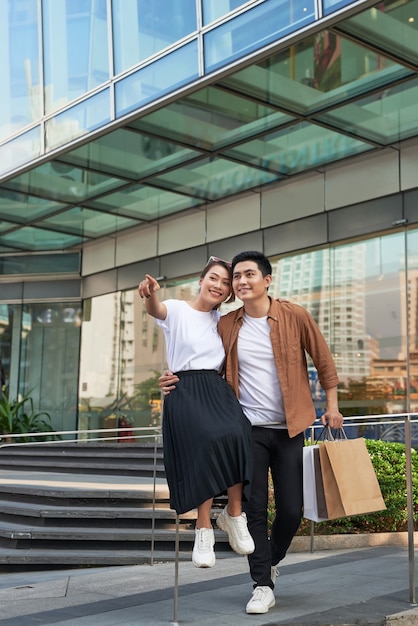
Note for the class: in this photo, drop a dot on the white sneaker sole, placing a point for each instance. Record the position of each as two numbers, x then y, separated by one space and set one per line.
207 564
256 611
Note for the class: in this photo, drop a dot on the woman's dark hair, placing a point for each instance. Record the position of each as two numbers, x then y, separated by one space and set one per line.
262 261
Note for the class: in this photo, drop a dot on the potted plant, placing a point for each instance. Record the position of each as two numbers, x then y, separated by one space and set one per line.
18 416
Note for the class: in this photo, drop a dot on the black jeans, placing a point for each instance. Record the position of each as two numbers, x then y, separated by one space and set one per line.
274 450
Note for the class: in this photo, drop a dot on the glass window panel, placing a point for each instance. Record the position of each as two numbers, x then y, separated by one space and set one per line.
76 57
329 6
156 80
254 29
211 118
23 208
50 340
20 150
142 28
78 120
5 226
87 223
384 117
317 73
297 148
29 238
129 154
391 25
20 102
120 360
213 9
58 181
355 293
210 180
145 203
66 263
410 315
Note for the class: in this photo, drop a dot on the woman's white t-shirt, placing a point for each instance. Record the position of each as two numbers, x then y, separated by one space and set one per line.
192 340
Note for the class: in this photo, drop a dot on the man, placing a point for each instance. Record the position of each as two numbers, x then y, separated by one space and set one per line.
265 342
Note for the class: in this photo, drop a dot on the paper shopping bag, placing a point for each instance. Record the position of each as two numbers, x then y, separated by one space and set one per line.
350 483
314 506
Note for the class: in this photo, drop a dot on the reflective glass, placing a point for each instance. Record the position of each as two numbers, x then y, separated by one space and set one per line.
213 9
384 118
329 6
20 150
66 263
144 203
119 368
50 340
78 120
211 118
211 179
29 238
87 223
317 73
62 182
129 154
297 148
355 293
20 102
391 25
141 28
254 29
156 80
76 57
23 208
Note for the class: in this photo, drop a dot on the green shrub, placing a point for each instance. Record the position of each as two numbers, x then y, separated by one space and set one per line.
389 462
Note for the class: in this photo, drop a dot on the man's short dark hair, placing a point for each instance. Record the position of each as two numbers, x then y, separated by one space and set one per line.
262 261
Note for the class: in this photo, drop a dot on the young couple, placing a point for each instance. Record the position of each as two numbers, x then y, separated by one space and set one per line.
214 444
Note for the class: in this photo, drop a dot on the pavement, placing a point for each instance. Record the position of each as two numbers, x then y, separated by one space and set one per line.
350 583
330 587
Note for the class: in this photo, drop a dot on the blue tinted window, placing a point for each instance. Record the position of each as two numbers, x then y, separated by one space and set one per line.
329 6
213 9
142 28
20 102
78 120
161 77
254 29
75 48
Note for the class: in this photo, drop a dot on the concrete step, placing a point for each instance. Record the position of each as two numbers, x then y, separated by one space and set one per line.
111 458
10 558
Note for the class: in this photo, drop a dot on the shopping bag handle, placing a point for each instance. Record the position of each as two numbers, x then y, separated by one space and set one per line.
326 434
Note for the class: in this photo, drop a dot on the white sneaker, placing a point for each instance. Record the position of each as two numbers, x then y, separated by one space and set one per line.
274 573
203 554
261 601
240 539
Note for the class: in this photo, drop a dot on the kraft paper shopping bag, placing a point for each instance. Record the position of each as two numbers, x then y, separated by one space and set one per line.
350 483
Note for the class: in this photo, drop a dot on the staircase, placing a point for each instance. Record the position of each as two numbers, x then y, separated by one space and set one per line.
88 505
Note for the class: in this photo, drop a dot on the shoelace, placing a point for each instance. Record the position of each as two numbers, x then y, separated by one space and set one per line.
204 541
258 594
241 525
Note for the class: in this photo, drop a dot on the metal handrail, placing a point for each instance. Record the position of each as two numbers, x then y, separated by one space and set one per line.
408 418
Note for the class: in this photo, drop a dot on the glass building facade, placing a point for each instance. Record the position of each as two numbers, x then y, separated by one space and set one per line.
143 136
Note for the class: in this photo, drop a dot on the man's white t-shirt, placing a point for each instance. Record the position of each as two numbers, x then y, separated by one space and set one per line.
260 393
192 340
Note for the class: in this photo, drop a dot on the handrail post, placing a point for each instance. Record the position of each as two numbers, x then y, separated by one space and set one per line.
154 499
410 508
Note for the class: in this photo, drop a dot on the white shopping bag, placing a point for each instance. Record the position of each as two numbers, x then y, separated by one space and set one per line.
314 506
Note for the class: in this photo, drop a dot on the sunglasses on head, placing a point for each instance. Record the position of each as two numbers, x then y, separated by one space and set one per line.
216 259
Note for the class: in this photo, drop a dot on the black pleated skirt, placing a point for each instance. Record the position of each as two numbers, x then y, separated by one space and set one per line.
207 440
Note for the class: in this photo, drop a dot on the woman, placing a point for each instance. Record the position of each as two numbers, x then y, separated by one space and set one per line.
206 437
